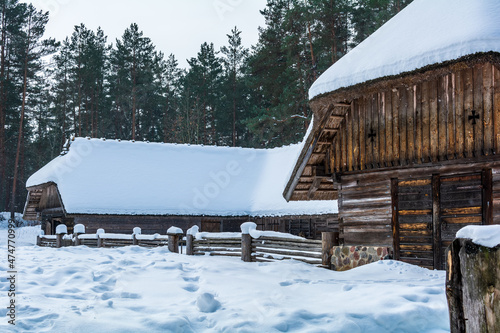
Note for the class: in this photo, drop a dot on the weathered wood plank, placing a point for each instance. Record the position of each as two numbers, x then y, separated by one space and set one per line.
459 112
403 126
362 134
376 131
426 154
355 134
488 109
468 107
395 126
434 120
496 108
451 126
350 148
479 108
381 130
389 127
417 98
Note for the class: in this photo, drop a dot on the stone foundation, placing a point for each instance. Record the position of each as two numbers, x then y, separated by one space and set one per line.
347 257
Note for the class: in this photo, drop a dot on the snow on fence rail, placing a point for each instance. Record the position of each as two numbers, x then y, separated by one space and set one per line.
102 239
256 245
250 245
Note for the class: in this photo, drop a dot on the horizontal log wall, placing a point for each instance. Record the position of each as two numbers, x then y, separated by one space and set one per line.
450 117
365 200
309 226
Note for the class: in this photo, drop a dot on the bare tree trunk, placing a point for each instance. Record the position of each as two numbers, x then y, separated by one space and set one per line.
3 100
20 134
313 60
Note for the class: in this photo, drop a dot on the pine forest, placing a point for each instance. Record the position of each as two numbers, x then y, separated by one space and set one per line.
87 85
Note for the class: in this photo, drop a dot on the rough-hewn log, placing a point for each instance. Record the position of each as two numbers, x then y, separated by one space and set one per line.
328 241
189 245
246 247
473 287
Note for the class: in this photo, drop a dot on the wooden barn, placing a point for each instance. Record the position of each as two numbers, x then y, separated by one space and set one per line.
118 185
407 125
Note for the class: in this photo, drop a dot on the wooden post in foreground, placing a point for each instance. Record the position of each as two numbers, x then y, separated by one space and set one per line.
189 245
473 287
328 240
246 247
39 240
173 243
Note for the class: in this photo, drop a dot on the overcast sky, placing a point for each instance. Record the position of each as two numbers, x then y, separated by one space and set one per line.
174 26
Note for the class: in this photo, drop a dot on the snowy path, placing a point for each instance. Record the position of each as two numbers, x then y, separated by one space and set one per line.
136 289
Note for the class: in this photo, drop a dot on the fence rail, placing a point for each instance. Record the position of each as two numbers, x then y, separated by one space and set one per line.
253 245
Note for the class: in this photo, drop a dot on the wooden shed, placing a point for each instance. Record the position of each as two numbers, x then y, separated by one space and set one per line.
118 185
407 125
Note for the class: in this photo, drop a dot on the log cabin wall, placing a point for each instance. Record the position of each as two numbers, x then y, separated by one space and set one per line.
417 210
309 226
450 116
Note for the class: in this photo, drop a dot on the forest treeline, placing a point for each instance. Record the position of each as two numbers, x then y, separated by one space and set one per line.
87 85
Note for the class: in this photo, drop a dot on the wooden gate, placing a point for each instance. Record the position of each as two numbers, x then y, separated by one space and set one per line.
413 222
427 213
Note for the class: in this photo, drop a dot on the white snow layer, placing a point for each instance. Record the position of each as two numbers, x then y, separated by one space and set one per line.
112 177
135 289
484 235
426 32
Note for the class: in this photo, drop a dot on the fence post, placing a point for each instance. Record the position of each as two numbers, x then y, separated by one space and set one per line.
173 234
38 240
473 287
99 241
189 245
173 243
246 247
328 240
78 230
61 230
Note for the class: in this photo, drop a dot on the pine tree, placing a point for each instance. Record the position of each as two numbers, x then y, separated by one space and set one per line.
235 55
30 48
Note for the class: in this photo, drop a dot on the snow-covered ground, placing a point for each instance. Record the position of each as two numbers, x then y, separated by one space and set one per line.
133 289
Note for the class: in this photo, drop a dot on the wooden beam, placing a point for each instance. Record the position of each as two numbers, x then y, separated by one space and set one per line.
436 220
314 187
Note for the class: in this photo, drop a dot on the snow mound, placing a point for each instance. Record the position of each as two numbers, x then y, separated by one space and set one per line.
207 303
175 230
484 235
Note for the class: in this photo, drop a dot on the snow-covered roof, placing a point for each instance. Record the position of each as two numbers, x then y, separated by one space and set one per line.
123 177
426 32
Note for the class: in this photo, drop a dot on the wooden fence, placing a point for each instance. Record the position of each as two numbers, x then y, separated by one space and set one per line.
172 240
260 248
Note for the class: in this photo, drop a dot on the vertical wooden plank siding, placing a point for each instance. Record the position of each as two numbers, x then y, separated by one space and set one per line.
468 107
410 132
427 122
381 130
362 134
388 126
496 108
450 102
478 107
417 102
426 138
395 126
488 109
350 131
368 123
344 145
403 123
375 143
434 120
355 134
459 111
